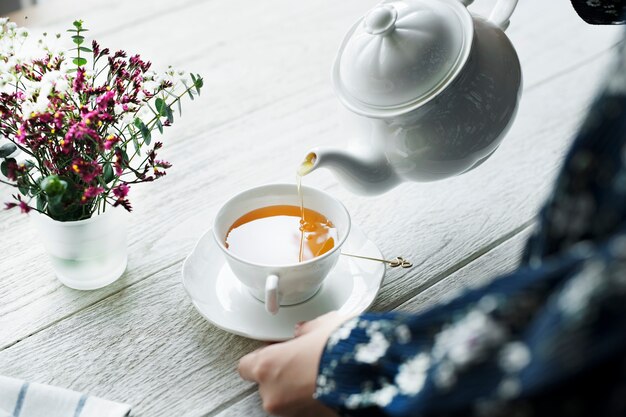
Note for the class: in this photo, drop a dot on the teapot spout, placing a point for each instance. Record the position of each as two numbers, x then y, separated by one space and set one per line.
359 172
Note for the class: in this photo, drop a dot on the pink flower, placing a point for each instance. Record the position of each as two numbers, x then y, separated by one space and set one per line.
121 191
79 131
21 134
79 81
110 141
13 169
87 171
91 192
119 160
95 47
24 208
104 101
162 164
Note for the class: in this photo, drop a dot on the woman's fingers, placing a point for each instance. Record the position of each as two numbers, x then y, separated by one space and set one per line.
247 366
308 326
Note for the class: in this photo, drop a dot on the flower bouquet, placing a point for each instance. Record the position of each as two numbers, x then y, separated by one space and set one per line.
76 133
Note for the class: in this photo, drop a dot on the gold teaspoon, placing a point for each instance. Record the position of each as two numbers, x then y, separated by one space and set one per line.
398 261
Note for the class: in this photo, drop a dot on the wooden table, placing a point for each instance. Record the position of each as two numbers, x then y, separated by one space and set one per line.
267 100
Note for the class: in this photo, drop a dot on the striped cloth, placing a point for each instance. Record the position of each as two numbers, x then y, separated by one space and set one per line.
23 399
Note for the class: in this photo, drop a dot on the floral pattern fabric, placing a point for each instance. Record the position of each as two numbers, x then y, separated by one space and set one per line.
548 339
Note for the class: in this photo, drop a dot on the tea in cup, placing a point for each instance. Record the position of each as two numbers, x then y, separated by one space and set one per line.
279 259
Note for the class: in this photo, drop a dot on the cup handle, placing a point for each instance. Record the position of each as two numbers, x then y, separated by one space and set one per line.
272 297
501 13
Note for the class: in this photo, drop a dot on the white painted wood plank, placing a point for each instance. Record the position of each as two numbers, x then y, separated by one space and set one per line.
501 260
279 122
145 345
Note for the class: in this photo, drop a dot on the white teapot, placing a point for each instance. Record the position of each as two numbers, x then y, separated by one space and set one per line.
430 90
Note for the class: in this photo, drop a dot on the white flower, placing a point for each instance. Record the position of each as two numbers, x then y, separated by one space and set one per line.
151 86
127 119
444 375
509 388
28 108
514 357
3 22
62 85
469 339
577 294
372 351
42 103
118 109
5 79
412 374
342 332
403 334
384 396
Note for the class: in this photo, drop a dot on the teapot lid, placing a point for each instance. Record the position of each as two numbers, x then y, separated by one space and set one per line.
401 54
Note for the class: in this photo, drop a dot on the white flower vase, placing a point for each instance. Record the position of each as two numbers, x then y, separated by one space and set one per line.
86 254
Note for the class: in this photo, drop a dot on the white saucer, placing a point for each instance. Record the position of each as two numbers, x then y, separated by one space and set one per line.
221 298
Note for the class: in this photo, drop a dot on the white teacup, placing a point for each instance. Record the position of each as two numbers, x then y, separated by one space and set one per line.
278 285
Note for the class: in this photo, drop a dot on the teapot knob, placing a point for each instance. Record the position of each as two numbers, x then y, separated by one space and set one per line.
380 20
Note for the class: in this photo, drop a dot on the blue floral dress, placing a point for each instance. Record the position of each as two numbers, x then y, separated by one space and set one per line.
546 340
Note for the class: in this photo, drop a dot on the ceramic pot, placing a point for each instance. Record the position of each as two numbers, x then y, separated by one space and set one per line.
86 254
428 89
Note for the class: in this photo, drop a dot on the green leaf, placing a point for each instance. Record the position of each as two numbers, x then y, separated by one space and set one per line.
7 149
83 49
78 39
198 83
54 186
4 167
145 132
136 143
188 90
41 203
71 70
169 113
23 188
160 106
78 24
79 61
107 173
159 125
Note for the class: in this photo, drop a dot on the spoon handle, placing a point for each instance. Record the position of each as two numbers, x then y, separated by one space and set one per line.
398 261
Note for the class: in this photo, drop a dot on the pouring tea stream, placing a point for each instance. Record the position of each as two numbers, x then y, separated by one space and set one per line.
429 92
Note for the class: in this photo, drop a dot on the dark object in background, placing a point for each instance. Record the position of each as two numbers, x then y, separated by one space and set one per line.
8 6
603 12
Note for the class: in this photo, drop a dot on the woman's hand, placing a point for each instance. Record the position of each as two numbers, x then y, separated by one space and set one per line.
286 372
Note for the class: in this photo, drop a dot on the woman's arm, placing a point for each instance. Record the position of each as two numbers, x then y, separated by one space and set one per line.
536 338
